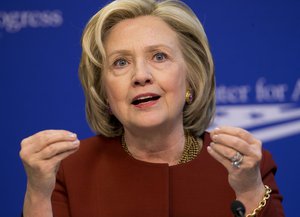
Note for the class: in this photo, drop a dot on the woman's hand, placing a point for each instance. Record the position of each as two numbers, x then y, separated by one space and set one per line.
244 177
41 154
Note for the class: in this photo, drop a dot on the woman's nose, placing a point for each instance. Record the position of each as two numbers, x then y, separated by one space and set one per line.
142 74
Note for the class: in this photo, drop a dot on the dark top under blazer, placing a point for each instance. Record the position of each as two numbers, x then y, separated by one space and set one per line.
102 180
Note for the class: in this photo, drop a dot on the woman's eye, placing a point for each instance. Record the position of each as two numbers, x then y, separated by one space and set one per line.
160 57
119 63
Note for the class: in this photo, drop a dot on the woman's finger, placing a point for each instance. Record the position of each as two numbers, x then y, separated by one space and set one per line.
57 148
246 165
58 158
220 158
225 151
40 140
237 132
235 143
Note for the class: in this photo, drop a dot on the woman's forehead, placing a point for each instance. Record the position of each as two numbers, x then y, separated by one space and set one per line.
147 31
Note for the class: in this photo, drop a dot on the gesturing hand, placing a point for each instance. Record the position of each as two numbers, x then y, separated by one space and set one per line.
241 154
41 154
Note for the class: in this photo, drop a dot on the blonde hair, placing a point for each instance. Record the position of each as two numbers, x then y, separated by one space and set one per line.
194 45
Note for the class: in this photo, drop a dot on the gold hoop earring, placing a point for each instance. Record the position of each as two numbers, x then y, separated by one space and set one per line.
189 97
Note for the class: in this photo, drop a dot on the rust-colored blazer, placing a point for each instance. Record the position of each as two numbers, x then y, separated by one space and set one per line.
102 180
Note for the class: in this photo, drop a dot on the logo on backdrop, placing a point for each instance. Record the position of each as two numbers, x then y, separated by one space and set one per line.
15 21
270 111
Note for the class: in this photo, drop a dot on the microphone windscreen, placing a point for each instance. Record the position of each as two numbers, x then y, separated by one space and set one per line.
238 208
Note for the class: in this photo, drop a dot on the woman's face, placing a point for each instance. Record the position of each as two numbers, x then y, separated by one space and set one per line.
145 74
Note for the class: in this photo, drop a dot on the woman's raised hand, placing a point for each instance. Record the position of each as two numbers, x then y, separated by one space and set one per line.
41 154
240 153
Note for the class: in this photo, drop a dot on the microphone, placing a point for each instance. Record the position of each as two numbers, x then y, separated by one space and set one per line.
238 209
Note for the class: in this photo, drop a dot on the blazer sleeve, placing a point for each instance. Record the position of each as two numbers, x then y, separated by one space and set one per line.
274 206
59 198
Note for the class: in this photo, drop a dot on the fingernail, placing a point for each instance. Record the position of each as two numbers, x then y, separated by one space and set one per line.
209 149
216 129
73 135
76 142
215 137
212 144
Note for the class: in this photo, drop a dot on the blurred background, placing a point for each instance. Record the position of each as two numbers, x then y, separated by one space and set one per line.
256 50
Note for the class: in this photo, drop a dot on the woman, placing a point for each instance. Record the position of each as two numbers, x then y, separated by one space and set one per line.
148 78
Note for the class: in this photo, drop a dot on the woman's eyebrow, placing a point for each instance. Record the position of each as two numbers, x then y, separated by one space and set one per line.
122 51
159 46
147 48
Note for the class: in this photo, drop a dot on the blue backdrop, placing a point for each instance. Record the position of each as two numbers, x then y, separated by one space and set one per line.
256 50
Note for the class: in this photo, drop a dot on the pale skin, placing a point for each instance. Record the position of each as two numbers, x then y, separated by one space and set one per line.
41 154
246 181
144 59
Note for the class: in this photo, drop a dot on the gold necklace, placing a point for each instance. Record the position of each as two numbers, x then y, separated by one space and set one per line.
192 147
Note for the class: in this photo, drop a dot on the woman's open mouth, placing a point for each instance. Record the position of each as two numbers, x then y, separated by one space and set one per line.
143 100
